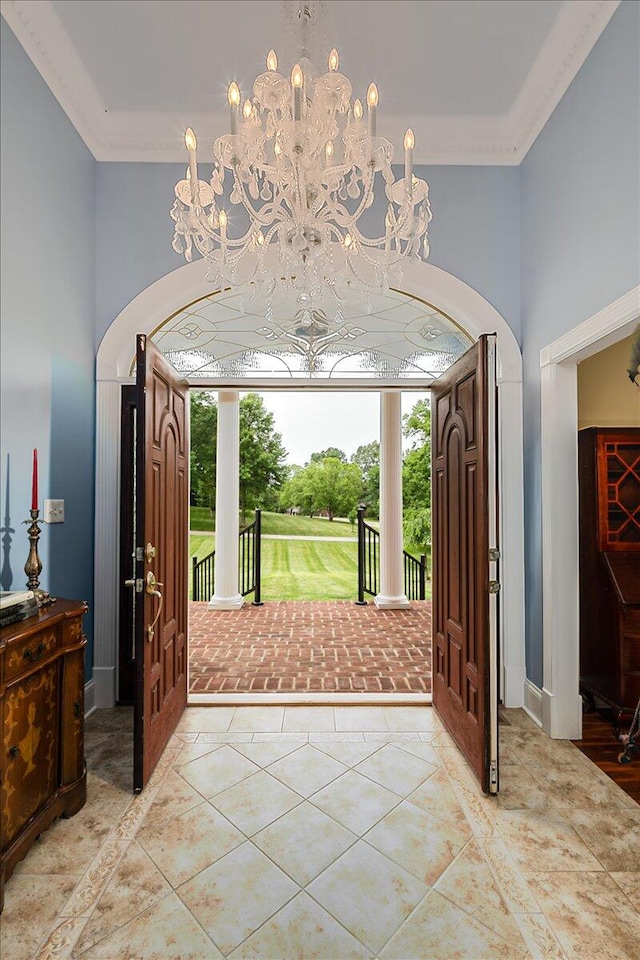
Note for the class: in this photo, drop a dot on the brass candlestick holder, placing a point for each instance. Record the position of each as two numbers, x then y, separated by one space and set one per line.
33 566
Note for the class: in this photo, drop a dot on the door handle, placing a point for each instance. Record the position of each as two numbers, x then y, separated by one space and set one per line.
152 590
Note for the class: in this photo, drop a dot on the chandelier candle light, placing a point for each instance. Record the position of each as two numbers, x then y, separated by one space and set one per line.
303 167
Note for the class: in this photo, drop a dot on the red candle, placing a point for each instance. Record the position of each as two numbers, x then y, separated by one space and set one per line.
34 482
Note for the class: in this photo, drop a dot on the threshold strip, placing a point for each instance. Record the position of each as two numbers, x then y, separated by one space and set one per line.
312 699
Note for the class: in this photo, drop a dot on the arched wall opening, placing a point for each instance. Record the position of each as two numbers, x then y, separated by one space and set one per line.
188 283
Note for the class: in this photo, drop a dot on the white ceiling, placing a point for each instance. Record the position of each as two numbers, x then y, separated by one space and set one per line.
476 79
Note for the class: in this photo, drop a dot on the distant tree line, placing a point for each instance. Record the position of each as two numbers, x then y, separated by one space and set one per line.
329 483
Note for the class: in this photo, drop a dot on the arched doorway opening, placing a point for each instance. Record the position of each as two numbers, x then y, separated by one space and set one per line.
188 284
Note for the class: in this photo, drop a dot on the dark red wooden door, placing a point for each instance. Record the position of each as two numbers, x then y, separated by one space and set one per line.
162 450
464 505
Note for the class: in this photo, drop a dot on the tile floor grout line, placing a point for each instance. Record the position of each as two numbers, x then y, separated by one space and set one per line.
533 920
41 952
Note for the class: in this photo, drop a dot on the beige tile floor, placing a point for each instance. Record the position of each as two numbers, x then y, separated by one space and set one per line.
315 832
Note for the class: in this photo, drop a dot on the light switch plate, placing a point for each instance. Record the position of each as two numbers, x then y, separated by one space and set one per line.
54 511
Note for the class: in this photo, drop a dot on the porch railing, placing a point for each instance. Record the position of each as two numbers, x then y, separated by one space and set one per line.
415 576
415 571
249 565
368 559
250 559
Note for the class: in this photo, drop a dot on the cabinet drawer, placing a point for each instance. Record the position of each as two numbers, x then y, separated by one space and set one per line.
72 632
21 654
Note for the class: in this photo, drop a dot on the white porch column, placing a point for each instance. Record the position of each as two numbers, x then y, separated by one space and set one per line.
226 596
391 596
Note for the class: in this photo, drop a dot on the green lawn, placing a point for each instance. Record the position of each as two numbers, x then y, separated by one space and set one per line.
304 570
282 524
300 569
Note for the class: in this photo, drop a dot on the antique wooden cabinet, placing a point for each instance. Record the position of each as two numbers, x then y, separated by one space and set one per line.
42 767
609 474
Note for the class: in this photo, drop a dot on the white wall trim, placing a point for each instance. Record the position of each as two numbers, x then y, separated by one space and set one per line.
105 681
561 702
533 701
89 698
107 542
120 135
188 283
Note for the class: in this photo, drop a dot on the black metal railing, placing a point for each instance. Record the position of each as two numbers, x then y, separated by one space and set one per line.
202 576
415 571
249 565
415 576
250 560
368 559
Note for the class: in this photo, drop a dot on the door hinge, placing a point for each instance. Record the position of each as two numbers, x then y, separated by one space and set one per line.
493 774
494 554
494 586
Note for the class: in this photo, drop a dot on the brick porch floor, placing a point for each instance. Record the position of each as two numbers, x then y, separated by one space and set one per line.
301 646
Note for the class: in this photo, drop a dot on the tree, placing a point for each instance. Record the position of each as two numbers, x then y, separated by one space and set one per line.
262 455
204 425
329 452
416 476
367 456
336 486
297 492
417 424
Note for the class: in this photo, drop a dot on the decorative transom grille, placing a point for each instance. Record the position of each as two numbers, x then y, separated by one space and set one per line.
226 335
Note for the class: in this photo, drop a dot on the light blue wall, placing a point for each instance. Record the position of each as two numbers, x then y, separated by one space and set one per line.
475 232
569 215
580 239
48 288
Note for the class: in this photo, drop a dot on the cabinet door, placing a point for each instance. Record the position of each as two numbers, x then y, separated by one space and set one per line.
30 748
72 716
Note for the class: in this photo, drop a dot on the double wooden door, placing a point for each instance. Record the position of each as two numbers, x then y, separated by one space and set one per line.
465 557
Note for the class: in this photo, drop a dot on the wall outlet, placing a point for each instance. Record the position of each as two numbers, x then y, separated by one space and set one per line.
54 511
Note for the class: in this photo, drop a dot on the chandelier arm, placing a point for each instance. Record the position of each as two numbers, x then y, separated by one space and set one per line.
258 215
338 207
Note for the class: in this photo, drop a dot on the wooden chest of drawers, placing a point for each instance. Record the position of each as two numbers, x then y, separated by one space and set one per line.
42 767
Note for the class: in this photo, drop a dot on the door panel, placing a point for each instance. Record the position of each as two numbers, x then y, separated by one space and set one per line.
161 556
465 528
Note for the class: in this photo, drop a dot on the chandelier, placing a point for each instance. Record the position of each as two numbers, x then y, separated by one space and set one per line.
300 164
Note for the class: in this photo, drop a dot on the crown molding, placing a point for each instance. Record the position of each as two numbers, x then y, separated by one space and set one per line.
465 140
47 44
576 29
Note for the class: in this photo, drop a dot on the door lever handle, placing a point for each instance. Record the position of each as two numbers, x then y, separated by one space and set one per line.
152 591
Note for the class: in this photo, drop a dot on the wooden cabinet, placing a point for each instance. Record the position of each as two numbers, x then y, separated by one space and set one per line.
42 767
609 474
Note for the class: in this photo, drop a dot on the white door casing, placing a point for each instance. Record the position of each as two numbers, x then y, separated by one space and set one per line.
561 705
188 283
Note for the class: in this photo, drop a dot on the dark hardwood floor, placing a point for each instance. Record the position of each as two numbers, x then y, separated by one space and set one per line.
600 745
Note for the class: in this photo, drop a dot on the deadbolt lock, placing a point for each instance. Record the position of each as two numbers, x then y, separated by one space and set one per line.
150 552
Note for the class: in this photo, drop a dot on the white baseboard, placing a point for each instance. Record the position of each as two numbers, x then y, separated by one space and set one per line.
562 715
89 698
533 701
105 686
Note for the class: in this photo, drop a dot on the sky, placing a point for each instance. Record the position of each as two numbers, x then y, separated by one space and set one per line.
312 421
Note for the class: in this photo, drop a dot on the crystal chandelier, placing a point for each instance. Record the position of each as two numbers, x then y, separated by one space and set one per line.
303 161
